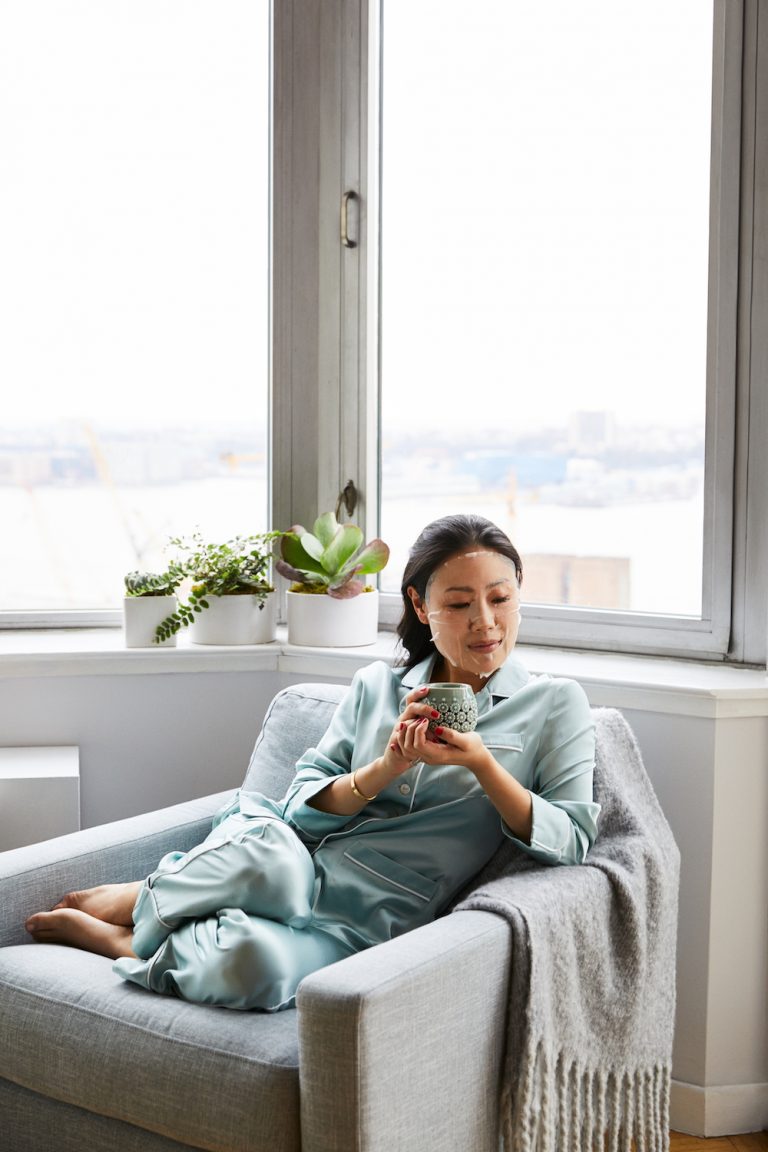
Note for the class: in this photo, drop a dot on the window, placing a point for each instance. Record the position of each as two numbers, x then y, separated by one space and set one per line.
134 185
560 206
341 342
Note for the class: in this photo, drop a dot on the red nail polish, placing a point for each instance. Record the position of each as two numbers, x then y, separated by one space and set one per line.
437 730
435 714
402 727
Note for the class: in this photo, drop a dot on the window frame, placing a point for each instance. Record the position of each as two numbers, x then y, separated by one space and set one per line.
320 348
53 619
733 619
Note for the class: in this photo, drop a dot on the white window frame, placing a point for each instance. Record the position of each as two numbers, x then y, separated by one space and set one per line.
47 619
324 412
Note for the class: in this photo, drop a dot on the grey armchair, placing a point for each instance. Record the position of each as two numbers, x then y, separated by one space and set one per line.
398 1048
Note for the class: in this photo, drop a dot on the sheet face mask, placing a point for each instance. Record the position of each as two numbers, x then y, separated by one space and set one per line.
472 605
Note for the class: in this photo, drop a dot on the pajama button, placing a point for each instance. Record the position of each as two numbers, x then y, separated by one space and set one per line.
404 789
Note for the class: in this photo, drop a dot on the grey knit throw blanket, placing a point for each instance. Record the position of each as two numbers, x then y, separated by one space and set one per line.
592 985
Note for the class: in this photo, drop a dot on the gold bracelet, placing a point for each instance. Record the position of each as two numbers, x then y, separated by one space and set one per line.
357 791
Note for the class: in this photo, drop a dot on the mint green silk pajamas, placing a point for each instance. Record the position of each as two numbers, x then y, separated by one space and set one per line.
230 922
280 889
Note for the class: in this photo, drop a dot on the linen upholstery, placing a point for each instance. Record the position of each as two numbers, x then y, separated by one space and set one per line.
295 721
38 1124
415 1035
75 1032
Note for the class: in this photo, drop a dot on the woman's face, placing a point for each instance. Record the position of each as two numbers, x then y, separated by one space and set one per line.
472 606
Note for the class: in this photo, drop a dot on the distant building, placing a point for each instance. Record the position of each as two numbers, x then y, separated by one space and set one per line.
583 581
590 430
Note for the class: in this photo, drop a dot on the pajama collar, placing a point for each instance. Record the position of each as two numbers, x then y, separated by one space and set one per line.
505 682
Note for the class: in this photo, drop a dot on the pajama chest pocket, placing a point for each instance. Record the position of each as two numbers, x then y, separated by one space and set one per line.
387 872
506 741
367 897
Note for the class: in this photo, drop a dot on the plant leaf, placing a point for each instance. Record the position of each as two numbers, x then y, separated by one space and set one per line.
294 553
370 559
342 548
325 528
346 590
312 546
289 571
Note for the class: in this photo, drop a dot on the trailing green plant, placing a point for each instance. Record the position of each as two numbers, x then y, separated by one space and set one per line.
154 583
330 559
239 567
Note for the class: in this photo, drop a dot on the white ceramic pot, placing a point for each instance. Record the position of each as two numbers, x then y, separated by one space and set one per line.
236 620
141 615
324 622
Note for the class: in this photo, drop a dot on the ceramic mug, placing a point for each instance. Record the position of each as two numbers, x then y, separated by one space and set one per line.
456 704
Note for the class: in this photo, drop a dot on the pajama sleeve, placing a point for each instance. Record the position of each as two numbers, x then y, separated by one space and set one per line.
564 811
318 766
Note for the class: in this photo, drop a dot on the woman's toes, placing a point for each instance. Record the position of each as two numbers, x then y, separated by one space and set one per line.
37 925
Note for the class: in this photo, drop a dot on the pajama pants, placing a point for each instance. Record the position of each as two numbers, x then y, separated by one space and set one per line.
230 922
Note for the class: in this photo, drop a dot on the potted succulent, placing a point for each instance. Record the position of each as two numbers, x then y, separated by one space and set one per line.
231 600
329 604
149 598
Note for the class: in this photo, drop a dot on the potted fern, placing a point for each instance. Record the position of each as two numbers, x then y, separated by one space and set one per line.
329 602
231 600
149 598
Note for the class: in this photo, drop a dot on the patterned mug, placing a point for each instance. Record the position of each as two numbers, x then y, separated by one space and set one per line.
456 704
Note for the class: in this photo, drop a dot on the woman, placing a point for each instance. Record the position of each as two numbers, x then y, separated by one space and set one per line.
384 821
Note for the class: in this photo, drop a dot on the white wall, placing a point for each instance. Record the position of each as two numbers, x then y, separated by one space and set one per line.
711 776
145 741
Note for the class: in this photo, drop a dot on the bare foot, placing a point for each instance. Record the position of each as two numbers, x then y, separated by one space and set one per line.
79 930
110 902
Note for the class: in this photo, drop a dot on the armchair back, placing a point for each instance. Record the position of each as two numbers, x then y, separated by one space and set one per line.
296 720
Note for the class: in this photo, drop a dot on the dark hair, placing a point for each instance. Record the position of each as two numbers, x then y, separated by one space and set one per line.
439 541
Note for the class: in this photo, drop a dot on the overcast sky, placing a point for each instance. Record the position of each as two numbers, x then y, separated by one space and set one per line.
548 246
545 207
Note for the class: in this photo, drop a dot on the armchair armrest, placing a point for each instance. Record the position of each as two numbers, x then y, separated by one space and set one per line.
399 1033
36 877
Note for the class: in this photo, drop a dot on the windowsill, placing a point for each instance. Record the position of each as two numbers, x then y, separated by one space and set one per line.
102 652
641 682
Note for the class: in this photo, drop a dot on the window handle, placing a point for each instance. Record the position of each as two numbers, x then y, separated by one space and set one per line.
346 200
348 497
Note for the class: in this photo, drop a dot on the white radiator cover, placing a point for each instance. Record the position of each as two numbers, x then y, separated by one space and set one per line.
39 794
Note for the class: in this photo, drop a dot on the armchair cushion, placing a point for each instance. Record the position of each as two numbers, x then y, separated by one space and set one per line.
75 1032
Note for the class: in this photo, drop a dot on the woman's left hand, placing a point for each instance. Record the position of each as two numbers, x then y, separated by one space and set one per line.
446 746
416 741
442 746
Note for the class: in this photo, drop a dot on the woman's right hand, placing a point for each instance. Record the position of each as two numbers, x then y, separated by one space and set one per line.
340 800
401 754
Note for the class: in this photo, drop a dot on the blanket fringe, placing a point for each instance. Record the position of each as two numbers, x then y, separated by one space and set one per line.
563 1106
